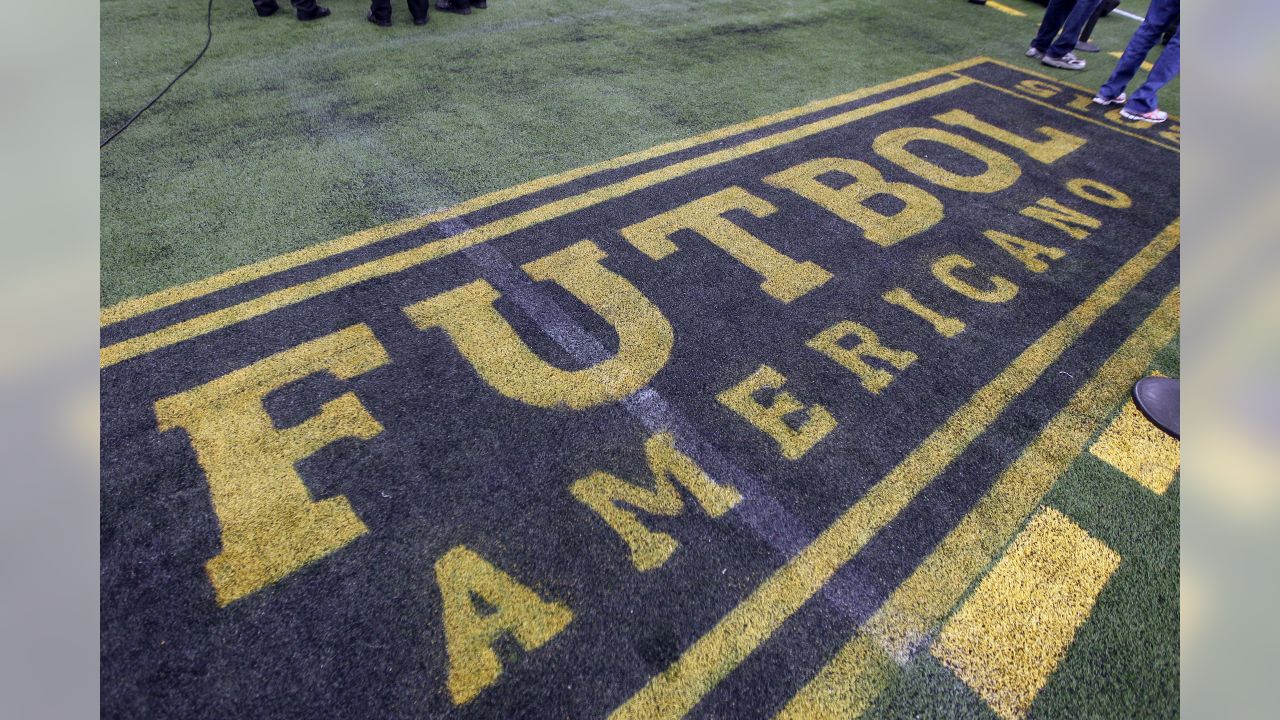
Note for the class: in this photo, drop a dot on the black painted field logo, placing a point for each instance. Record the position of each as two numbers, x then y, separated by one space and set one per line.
622 440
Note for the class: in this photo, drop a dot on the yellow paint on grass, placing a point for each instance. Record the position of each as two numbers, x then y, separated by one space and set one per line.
513 609
907 619
510 366
270 524
1139 126
134 307
1005 9
1145 65
675 691
412 257
1013 631
1139 449
828 697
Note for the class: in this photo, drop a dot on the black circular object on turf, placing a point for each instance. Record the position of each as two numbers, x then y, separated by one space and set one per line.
1158 399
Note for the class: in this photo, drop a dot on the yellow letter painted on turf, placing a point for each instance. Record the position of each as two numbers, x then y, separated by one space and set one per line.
1002 290
498 354
920 210
469 634
270 525
1072 222
1027 252
604 493
1058 144
1099 193
784 278
831 342
1038 88
793 443
944 325
1001 171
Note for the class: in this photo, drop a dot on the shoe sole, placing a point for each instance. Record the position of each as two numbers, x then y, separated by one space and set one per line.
1061 65
1153 121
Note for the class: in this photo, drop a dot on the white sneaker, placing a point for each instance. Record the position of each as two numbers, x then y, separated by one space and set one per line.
1117 100
1155 116
1034 53
1066 62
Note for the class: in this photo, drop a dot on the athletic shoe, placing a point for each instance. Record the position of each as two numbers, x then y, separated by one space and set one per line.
1117 100
376 21
422 20
1034 53
1155 116
316 13
1066 62
462 8
1086 46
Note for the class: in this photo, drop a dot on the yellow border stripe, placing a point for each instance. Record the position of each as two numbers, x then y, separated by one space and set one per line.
1133 445
712 657
134 307
906 619
1005 9
1009 636
405 259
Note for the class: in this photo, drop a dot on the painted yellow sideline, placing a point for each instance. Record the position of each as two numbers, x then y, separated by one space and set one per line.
1145 65
1010 635
134 307
1005 9
1082 116
907 618
845 686
1139 449
405 259
673 692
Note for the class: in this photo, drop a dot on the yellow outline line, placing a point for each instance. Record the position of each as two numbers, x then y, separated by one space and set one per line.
405 259
1050 78
1078 116
134 307
1005 9
676 690
851 680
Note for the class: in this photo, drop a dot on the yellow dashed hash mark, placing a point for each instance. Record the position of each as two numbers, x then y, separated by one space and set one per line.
1145 65
1010 635
1139 449
1005 9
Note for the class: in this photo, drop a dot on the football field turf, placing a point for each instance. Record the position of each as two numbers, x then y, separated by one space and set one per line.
569 373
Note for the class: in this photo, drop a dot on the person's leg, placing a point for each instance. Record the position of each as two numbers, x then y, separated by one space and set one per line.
380 12
1054 15
1144 99
1066 41
419 9
1159 15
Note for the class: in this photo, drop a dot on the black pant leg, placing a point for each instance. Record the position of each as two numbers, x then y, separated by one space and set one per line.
380 10
418 8
265 6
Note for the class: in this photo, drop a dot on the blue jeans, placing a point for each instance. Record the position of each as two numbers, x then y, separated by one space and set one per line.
1069 16
1159 17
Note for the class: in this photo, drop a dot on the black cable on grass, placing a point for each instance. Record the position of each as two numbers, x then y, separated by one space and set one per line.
127 123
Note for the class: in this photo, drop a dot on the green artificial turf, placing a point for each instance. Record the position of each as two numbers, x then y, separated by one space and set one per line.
289 134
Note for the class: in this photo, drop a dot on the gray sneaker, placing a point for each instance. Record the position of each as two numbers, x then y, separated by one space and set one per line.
1066 62
1086 46
1034 53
